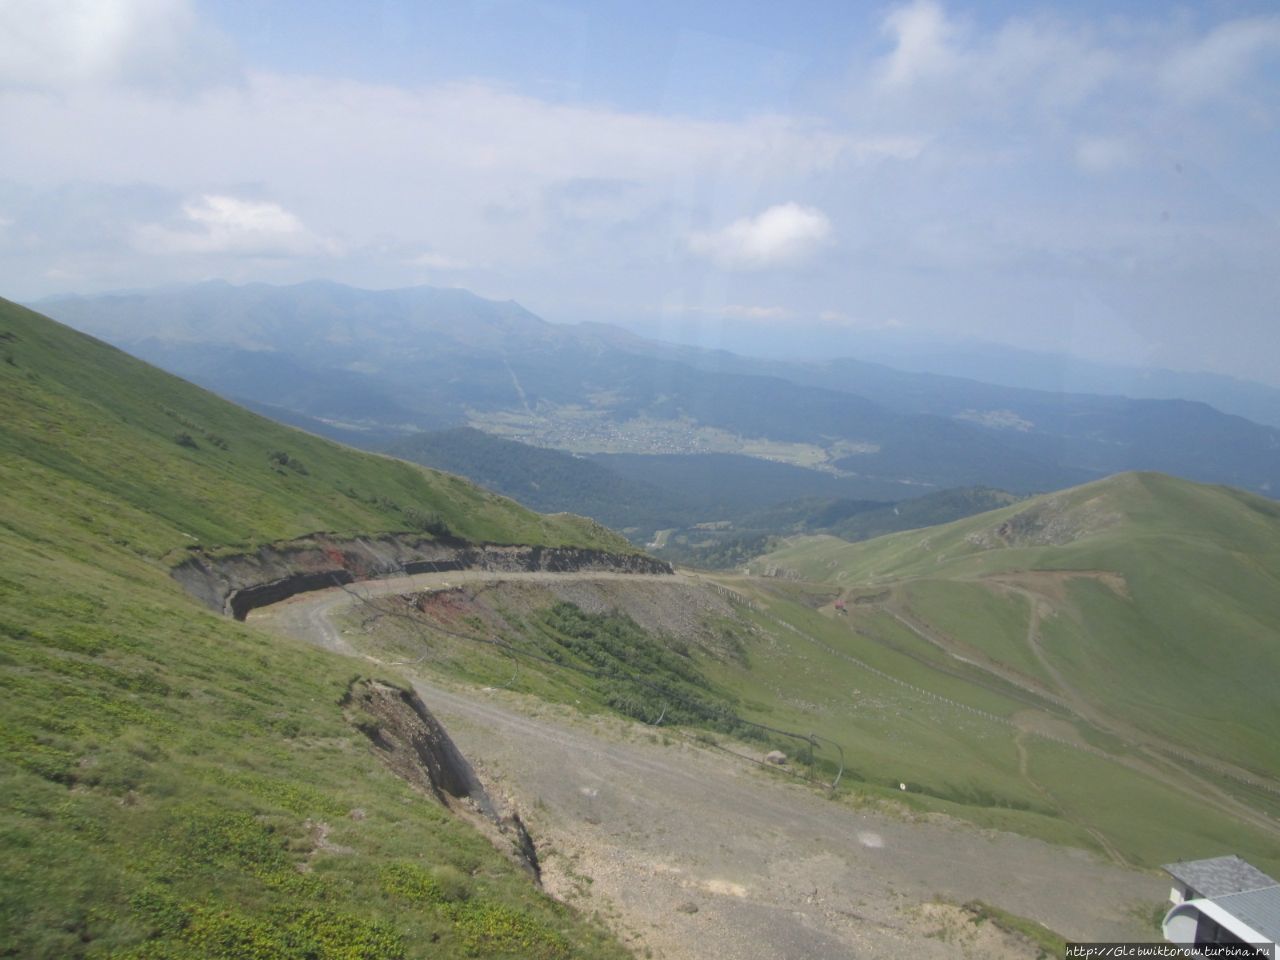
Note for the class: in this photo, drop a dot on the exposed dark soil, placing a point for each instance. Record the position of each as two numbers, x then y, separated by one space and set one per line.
238 583
412 743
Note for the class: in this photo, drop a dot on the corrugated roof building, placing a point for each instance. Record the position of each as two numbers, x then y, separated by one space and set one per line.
1222 900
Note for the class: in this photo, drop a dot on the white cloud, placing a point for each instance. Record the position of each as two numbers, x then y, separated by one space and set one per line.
391 164
954 71
58 44
734 311
922 43
219 224
438 261
838 318
781 235
940 66
1103 154
1222 60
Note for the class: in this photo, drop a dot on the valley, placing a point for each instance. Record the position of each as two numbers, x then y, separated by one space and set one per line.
580 431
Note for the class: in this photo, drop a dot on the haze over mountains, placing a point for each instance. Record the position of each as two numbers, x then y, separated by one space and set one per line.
998 363
371 367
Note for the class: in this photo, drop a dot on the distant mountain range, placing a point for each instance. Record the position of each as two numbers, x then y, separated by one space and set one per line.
1012 367
997 363
371 367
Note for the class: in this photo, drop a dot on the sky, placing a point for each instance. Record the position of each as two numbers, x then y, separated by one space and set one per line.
1100 179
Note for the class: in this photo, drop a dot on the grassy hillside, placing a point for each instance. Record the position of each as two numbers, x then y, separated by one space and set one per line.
1137 615
171 465
177 785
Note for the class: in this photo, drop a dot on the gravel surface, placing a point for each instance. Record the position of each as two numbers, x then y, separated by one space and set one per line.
687 852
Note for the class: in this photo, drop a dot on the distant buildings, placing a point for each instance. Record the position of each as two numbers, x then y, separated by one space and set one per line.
1222 900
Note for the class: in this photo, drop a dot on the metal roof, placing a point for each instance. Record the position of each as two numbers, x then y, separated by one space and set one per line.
1219 876
1260 909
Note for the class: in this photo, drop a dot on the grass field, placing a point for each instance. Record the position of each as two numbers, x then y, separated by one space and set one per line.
1141 611
177 785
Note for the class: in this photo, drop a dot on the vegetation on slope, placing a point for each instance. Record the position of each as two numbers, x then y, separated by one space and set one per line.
1180 639
177 785
171 465
597 661
1135 616
964 742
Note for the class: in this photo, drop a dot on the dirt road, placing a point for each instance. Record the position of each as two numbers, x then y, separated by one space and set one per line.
690 853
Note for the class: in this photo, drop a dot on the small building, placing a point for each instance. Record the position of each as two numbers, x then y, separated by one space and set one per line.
1222 900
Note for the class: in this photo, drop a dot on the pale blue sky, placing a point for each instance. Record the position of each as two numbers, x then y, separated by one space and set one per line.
1096 178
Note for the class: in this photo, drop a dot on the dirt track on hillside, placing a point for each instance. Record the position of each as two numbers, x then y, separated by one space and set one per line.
691 853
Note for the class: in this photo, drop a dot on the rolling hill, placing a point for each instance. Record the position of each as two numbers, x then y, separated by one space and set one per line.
1146 605
176 784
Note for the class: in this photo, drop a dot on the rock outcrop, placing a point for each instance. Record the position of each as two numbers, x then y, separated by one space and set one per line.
412 743
238 583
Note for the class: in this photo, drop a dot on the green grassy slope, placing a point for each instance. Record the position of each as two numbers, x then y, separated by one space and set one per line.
964 742
1139 615
177 785
1185 640
172 465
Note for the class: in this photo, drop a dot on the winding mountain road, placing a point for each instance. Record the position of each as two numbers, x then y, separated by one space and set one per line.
690 853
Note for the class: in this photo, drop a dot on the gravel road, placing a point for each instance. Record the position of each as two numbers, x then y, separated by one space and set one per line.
687 852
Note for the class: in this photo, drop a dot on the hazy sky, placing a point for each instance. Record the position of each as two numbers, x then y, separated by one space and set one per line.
1097 177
